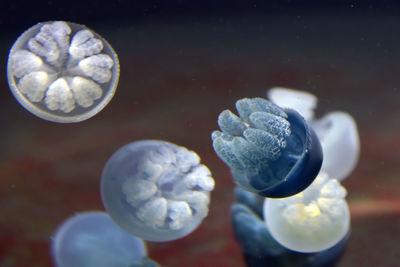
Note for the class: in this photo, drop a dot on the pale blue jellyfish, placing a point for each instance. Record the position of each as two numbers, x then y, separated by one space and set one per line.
92 239
62 71
337 131
271 151
313 220
156 190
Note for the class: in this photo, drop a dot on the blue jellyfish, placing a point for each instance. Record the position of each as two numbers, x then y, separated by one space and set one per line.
156 190
260 247
92 239
62 71
270 151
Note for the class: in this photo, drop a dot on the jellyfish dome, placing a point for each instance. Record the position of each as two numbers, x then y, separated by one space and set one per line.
335 129
62 71
156 190
92 239
270 151
314 220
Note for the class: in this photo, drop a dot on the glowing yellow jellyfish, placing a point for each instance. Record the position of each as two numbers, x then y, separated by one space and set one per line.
62 71
311 221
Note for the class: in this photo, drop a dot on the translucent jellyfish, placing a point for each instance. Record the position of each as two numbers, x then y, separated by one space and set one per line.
301 101
92 239
156 190
270 151
62 71
258 245
313 220
337 131
340 141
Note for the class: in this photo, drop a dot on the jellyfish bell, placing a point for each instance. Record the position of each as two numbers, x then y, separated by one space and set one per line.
62 71
301 101
335 130
314 220
271 151
340 141
92 239
156 190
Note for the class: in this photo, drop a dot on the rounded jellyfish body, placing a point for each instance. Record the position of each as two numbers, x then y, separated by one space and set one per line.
92 239
314 220
270 151
62 71
337 131
340 141
156 190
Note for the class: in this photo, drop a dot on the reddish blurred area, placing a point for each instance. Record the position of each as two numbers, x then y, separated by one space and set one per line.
176 77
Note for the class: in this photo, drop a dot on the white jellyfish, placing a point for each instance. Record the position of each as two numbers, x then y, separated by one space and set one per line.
337 131
156 190
311 221
62 71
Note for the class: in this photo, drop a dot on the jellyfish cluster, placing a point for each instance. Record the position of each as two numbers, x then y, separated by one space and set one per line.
62 71
311 227
290 207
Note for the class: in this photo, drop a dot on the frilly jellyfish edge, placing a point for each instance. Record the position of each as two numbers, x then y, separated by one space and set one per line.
270 151
62 71
156 190
313 220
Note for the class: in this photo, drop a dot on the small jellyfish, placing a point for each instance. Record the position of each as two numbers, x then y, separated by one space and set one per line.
62 71
340 141
335 130
92 239
313 220
156 190
301 101
270 151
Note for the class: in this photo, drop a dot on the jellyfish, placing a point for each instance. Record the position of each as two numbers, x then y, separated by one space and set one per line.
313 220
62 71
335 130
92 239
259 246
156 190
271 151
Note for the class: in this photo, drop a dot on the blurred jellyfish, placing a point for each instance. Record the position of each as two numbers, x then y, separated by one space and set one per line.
270 151
62 71
92 239
313 220
303 102
337 131
156 190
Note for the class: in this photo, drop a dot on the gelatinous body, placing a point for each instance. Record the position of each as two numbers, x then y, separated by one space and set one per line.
340 141
156 190
313 220
260 248
92 239
301 101
271 151
337 131
62 71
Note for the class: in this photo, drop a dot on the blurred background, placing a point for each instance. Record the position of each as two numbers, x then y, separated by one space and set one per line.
182 63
